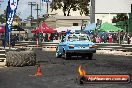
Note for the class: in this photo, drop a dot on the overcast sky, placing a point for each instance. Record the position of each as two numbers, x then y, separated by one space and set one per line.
102 6
113 6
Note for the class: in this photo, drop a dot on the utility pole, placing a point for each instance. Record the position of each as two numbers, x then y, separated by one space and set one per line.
37 14
47 7
40 4
38 19
92 11
32 4
47 2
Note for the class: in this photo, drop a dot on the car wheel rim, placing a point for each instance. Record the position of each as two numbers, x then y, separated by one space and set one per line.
65 56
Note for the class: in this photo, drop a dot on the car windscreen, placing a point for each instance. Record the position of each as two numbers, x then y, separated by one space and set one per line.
72 38
78 38
83 38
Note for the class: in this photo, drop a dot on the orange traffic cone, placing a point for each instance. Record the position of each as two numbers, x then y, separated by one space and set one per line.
38 72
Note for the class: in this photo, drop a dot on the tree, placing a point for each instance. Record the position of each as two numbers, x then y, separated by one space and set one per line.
29 17
120 17
3 17
68 5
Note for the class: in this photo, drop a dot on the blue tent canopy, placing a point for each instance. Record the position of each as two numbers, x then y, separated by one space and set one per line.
90 27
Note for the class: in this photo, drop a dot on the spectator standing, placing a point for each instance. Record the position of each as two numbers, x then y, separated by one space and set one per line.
3 42
68 32
131 40
128 39
98 40
46 37
110 39
13 41
51 37
125 39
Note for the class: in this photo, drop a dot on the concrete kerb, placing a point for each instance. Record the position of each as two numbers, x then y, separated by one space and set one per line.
49 48
114 52
104 48
2 57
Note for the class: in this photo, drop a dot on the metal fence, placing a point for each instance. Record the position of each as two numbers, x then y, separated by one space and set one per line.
51 46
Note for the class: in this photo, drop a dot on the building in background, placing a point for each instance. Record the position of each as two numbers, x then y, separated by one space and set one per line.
56 21
104 9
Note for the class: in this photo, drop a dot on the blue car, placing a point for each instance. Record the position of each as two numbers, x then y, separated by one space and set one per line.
75 45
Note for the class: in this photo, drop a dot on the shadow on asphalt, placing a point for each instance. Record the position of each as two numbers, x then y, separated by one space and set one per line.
77 58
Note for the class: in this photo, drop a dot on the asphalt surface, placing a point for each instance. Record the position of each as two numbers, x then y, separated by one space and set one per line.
61 73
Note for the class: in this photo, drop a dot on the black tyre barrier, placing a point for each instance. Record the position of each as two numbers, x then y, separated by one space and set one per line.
20 59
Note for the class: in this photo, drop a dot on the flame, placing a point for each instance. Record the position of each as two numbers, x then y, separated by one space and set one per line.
82 72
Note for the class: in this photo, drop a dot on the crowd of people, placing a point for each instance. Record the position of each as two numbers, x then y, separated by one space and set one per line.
105 37
102 37
13 40
123 38
46 37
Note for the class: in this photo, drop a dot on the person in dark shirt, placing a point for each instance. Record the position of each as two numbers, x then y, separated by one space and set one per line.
13 40
68 32
3 43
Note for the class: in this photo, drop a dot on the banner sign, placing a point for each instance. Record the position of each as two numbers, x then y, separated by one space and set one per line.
45 0
11 10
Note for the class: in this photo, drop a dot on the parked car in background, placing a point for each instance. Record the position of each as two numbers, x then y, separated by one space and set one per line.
76 45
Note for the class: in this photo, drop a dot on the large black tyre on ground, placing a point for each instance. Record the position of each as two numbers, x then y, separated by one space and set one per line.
20 59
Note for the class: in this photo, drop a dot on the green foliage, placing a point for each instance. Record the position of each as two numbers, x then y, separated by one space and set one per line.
2 18
120 17
29 17
68 5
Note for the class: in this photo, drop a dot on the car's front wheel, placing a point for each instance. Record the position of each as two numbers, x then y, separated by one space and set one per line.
57 53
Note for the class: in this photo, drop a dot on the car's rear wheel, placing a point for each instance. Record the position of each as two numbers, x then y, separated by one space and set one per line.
67 55
83 56
90 56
